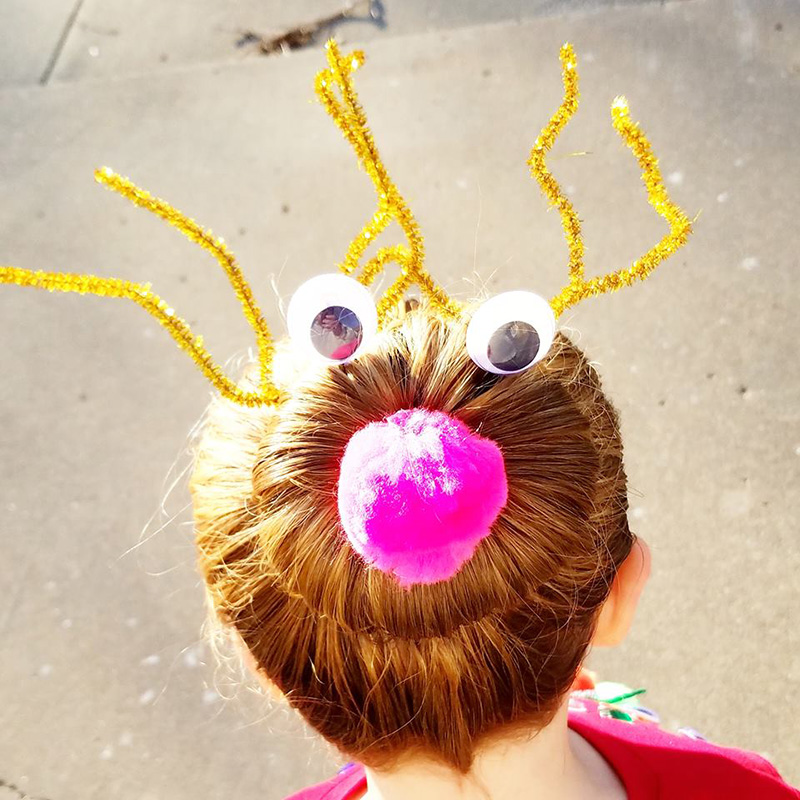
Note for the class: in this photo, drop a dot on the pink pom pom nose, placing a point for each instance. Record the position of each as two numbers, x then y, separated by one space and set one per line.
417 493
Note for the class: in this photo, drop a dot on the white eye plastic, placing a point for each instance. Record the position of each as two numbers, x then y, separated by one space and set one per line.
330 316
510 332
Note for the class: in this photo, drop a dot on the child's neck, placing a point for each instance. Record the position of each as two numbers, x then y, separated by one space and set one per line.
556 764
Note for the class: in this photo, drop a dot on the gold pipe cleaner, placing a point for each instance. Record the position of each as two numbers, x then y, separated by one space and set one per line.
142 295
351 120
578 287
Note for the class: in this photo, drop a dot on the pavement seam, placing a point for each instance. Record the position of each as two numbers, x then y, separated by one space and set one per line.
62 40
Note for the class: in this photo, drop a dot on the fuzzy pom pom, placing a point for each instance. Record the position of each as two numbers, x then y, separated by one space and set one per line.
417 492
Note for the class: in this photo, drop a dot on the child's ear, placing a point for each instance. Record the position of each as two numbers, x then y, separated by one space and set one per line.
618 611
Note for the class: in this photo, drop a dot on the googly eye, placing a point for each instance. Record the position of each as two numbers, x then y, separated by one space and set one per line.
331 316
510 332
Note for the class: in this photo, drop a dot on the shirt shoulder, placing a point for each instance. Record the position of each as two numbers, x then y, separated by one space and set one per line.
653 762
349 782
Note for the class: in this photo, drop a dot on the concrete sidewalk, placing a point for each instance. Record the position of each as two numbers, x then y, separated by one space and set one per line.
106 690
55 40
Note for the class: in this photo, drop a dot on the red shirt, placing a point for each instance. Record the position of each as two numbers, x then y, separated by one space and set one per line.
650 762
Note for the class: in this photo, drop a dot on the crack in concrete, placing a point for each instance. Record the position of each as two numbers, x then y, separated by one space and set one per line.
4 784
62 40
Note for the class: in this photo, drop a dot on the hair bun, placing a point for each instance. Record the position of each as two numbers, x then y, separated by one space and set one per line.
417 492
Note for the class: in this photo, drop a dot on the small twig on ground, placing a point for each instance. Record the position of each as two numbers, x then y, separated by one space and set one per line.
306 33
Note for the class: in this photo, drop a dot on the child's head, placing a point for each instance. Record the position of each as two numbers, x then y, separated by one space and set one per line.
383 667
378 669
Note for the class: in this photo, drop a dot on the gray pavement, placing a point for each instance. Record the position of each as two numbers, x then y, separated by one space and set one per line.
76 39
32 33
106 687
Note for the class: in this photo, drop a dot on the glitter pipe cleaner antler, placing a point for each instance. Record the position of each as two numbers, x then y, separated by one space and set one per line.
351 120
578 287
141 294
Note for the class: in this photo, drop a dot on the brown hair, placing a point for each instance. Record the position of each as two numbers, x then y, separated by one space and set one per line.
378 670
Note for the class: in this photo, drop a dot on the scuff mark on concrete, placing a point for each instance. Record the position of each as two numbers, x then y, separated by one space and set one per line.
12 787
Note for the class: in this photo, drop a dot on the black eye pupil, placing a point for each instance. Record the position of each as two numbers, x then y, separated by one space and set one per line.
513 346
336 332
